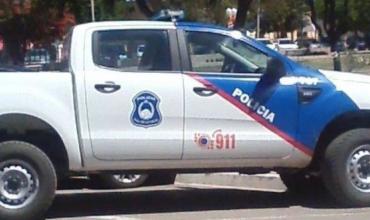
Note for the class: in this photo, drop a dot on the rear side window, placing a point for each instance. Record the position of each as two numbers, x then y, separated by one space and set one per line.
132 50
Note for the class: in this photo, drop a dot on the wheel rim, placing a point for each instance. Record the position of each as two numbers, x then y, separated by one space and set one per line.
358 168
127 178
19 184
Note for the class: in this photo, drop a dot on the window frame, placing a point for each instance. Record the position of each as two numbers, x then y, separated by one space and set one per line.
172 44
66 65
186 60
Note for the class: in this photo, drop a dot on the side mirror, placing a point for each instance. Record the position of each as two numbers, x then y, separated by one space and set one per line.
275 70
270 80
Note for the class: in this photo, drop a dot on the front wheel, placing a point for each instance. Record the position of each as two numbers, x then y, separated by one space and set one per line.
302 182
346 168
27 181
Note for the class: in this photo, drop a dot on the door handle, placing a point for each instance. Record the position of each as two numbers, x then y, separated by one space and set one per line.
107 87
205 91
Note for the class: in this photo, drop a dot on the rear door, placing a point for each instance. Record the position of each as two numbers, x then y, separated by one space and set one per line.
134 93
231 110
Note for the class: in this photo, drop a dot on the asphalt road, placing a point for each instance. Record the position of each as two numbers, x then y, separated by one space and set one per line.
189 201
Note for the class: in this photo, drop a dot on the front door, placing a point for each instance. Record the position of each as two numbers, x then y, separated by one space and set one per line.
232 109
134 96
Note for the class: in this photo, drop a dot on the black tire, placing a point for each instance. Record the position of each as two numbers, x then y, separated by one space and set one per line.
335 167
302 183
157 179
108 181
34 163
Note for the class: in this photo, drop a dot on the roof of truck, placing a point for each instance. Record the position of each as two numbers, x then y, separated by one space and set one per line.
146 24
154 24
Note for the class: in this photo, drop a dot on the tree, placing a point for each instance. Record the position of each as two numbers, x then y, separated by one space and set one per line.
145 8
339 17
330 22
336 19
212 11
16 29
359 15
284 17
35 21
241 16
149 8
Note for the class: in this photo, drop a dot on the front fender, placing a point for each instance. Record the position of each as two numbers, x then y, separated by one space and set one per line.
315 116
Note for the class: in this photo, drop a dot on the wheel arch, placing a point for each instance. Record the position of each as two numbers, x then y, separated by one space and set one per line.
34 130
339 125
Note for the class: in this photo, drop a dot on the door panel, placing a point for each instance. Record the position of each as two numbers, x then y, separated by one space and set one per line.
224 115
134 96
113 133
249 116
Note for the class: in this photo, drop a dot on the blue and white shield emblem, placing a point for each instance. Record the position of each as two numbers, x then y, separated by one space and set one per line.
146 110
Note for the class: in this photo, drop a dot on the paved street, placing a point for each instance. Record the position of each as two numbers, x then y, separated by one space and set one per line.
197 201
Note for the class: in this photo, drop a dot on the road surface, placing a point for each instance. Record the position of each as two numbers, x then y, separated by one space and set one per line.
196 201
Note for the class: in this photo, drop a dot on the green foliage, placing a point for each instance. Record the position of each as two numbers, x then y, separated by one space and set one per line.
354 16
113 10
279 16
359 15
202 10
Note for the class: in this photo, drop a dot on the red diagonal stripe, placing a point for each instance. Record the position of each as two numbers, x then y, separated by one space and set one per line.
255 116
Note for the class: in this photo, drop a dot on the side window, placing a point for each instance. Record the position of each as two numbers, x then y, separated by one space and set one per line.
217 53
132 50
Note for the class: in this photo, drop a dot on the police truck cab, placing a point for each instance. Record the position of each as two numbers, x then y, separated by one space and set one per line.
173 97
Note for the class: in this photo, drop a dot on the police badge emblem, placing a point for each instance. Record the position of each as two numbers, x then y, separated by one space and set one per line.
146 110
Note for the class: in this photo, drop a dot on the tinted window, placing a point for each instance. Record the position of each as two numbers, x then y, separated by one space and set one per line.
132 50
222 54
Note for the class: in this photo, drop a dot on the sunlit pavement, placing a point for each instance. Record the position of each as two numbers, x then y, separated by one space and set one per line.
197 201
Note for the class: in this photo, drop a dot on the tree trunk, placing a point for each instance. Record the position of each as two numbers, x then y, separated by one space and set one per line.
335 29
241 16
330 23
212 3
156 5
145 8
343 27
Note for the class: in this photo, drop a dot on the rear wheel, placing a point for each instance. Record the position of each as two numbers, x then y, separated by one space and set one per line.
27 181
346 168
157 179
119 181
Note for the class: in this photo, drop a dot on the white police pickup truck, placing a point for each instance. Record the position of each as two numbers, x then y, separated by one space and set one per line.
198 98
